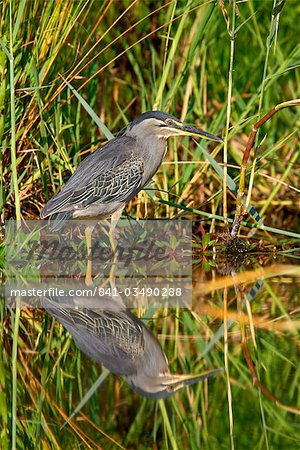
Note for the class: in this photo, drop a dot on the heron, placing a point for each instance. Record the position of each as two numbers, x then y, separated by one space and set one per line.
113 336
106 180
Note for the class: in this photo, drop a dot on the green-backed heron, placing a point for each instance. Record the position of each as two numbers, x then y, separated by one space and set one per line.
107 179
111 335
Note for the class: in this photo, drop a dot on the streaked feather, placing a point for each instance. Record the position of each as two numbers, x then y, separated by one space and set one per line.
113 172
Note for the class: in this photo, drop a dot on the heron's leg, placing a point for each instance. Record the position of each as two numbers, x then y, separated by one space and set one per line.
88 237
114 220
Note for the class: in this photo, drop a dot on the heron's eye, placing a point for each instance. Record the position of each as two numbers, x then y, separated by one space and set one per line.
169 122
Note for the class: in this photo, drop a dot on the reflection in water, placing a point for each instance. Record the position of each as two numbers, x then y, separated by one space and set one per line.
111 335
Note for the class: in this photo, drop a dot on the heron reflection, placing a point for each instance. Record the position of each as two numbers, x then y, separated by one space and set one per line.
111 335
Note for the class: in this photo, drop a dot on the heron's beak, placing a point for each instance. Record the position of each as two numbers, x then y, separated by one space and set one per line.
165 385
181 129
174 383
187 130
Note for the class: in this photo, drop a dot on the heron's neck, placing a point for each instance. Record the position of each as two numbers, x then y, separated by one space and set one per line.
153 150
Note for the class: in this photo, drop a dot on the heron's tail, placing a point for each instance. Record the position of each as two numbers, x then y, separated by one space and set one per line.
59 220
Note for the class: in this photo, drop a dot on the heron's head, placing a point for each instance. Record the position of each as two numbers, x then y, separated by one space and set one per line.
163 125
165 385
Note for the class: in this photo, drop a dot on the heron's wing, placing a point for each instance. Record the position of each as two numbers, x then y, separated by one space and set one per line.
119 184
114 339
112 173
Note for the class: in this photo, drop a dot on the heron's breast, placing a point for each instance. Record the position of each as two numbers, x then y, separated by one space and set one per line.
153 151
